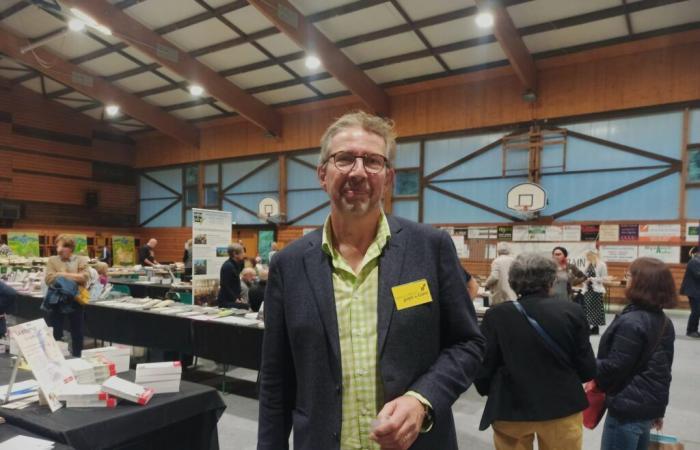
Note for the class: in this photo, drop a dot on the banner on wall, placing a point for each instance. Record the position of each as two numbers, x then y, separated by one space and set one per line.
629 232
505 233
81 244
553 233
482 233
211 236
589 232
123 250
618 253
521 233
571 233
265 240
666 232
577 250
666 253
609 232
24 244
692 232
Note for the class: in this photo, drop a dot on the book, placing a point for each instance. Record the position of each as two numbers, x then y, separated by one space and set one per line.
118 354
163 377
127 390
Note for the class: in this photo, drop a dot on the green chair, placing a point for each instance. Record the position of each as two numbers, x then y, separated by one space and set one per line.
124 289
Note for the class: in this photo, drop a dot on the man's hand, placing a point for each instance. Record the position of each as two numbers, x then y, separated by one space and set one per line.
658 424
400 422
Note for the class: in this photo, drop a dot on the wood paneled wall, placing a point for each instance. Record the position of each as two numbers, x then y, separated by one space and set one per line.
651 72
48 154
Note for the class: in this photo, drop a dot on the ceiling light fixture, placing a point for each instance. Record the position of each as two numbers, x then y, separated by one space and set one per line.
196 90
484 20
112 110
312 62
89 21
76 25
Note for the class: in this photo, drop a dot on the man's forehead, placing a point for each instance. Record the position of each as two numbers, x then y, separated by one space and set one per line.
357 138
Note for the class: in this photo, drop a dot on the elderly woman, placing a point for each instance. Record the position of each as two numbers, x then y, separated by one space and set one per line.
531 389
568 275
635 358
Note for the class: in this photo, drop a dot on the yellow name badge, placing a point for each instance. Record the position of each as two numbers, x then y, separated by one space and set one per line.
411 294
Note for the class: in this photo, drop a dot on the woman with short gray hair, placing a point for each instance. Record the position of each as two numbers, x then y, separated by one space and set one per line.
534 388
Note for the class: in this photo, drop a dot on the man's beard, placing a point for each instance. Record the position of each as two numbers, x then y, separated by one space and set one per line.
358 206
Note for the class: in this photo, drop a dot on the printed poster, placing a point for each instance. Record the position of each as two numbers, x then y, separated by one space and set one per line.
589 232
692 230
521 233
37 345
666 253
577 250
23 244
211 236
461 246
123 250
553 233
265 240
571 233
609 232
505 233
629 232
482 233
666 232
81 244
618 253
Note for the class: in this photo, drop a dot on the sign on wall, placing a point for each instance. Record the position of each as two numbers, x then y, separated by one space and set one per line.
618 253
211 236
571 233
666 232
123 250
629 232
577 250
692 230
666 253
609 232
23 244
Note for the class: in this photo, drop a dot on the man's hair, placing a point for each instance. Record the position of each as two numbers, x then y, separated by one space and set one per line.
248 270
384 128
562 249
234 249
502 248
651 285
66 241
531 273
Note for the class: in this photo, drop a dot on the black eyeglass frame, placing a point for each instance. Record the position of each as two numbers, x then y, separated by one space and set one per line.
387 163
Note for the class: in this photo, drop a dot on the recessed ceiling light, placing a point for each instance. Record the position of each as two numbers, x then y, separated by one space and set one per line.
112 110
196 90
89 21
484 20
76 25
312 62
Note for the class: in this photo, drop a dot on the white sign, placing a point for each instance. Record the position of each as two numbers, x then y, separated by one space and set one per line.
462 249
666 253
609 232
37 345
521 233
618 253
553 233
211 236
577 250
571 233
482 233
660 232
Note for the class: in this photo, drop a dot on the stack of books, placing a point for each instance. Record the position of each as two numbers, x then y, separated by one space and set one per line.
127 390
120 355
85 396
162 377
83 371
103 367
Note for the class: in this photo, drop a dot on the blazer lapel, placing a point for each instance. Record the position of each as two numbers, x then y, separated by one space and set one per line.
318 272
390 265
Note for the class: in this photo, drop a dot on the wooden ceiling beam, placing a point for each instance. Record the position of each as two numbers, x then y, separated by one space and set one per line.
511 42
93 86
300 30
179 61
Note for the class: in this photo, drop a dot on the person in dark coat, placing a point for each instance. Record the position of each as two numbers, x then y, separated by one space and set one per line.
256 294
230 278
691 288
7 301
530 390
635 357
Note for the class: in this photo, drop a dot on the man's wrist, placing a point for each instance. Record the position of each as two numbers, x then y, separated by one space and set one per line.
428 418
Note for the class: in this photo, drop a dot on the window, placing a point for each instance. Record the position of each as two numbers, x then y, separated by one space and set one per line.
407 183
211 196
191 175
191 197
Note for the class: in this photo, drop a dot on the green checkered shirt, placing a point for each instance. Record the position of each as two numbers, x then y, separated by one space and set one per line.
356 307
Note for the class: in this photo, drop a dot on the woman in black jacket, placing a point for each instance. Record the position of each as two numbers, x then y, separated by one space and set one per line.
635 357
530 390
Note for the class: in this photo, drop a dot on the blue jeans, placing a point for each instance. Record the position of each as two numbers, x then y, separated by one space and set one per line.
624 435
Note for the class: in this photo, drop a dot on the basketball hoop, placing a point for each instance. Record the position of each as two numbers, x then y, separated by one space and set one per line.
527 199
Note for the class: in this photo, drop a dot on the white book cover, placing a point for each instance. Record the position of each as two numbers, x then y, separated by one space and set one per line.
165 387
167 367
144 379
127 390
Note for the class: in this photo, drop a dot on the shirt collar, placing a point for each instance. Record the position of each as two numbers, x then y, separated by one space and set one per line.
382 236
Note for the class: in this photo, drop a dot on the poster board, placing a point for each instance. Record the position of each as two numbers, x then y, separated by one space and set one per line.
123 250
666 232
692 230
609 232
211 235
37 345
629 232
265 240
577 250
571 233
666 253
81 244
618 253
23 244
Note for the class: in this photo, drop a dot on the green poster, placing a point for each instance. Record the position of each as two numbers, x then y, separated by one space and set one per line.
23 244
123 250
265 239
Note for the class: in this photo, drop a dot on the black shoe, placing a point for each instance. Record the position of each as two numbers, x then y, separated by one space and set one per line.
595 331
693 334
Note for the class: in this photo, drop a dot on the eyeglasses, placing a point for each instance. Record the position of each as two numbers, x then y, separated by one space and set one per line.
372 162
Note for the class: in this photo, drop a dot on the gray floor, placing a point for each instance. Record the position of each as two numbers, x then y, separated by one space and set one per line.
238 425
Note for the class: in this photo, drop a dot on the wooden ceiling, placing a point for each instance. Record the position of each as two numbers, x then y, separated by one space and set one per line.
249 54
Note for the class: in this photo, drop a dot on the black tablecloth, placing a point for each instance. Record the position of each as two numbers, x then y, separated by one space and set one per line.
235 345
8 431
141 290
184 420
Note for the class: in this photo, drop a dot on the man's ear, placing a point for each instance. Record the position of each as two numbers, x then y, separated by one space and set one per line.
321 172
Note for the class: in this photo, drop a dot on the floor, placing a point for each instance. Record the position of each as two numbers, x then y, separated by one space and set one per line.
238 425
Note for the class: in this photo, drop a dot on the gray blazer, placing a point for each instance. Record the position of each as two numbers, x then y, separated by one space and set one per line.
434 349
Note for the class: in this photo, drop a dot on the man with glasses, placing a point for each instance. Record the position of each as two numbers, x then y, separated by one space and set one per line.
369 334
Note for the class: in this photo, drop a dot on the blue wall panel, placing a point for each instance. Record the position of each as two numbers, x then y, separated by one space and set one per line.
316 219
694 137
300 176
240 217
266 179
552 158
300 202
439 153
188 218
660 133
654 201
485 165
692 202
408 209
309 157
407 155
170 218
232 171
149 189
584 155
211 173
169 177
440 209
